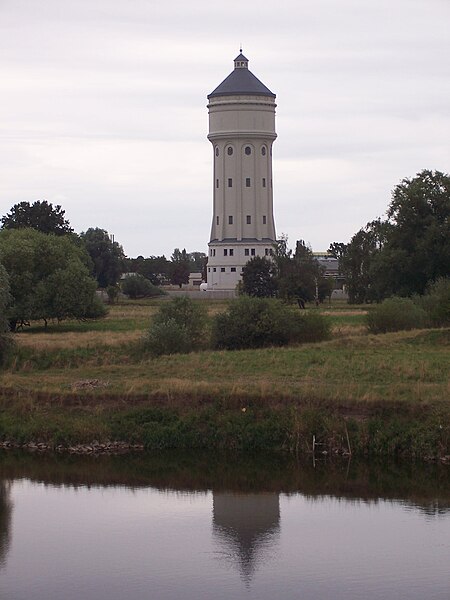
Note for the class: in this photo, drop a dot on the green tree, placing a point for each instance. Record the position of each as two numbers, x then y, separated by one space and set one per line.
107 256
40 215
360 263
154 268
298 275
49 277
180 267
198 261
418 248
258 278
406 252
5 298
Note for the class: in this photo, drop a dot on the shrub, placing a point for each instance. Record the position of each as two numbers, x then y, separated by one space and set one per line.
436 302
259 322
312 327
179 326
136 286
396 314
167 337
96 309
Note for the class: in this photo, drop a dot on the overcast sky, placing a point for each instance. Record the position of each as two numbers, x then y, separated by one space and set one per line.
103 109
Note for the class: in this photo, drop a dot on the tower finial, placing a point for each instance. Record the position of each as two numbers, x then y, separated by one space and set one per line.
240 48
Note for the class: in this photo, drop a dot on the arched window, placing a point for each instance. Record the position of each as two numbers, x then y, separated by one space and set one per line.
229 150
263 150
248 150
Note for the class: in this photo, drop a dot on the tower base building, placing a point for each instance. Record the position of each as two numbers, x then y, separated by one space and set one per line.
241 131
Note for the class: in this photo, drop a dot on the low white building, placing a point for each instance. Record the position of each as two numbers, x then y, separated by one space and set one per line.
242 131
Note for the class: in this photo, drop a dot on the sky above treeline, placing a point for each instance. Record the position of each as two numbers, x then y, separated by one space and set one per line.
103 109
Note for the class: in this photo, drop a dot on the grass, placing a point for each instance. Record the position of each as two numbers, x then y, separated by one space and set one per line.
71 382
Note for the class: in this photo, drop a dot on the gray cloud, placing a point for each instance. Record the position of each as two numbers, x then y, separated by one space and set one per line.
103 109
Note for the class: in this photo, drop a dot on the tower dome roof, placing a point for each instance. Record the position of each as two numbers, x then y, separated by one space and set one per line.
241 81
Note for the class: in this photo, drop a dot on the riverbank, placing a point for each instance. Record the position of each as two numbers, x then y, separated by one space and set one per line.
72 387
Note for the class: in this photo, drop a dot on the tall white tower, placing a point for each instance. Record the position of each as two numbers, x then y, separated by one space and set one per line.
242 131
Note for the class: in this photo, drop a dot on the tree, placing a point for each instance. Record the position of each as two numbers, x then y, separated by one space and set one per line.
360 263
298 274
198 261
154 268
5 298
258 278
107 256
49 277
409 250
180 268
418 249
42 216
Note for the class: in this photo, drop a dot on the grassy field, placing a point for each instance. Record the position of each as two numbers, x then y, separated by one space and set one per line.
75 382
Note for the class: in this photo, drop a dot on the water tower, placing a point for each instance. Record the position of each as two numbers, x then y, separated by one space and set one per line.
241 131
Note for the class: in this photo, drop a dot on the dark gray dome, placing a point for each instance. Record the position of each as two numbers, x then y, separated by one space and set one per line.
241 81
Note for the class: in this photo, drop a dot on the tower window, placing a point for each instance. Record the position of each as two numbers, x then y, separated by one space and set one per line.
264 220
217 151
252 252
263 150
214 269
217 220
248 150
214 252
222 269
229 150
247 182
247 252
209 269
263 182
217 183
225 252
231 252
230 182
249 220
266 251
230 220
233 269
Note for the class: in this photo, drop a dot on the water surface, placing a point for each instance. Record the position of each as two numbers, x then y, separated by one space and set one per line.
175 526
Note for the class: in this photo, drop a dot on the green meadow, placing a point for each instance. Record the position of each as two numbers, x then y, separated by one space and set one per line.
76 382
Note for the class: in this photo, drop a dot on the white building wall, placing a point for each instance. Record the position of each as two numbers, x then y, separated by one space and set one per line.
242 131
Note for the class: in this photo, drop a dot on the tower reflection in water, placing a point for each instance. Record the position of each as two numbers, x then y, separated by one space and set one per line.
246 527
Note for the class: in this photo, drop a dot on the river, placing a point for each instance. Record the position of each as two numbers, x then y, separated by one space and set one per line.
176 526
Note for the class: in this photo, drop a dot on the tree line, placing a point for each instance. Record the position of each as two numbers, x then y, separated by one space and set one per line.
50 272
406 252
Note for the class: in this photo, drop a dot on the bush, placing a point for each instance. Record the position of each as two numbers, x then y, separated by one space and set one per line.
312 327
179 326
436 302
259 322
96 309
136 286
396 314
167 338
